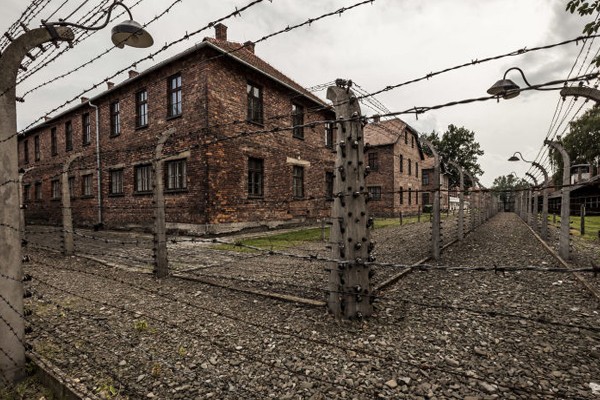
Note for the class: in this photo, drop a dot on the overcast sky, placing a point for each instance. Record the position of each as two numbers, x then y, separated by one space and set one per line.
388 42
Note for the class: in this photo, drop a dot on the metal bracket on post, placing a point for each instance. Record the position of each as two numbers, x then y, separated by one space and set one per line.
161 262
350 292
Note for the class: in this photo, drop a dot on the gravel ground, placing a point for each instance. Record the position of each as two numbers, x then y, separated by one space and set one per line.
435 334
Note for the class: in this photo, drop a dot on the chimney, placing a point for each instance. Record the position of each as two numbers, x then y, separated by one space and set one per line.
249 46
220 32
110 85
133 74
376 118
84 99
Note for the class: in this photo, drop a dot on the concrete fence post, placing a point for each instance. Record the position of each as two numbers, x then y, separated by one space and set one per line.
435 217
350 293
565 204
67 214
161 262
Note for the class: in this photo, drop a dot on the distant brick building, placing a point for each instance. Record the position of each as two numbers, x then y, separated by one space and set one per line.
227 164
395 159
429 186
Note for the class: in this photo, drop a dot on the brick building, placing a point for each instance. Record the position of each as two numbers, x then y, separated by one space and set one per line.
228 164
395 159
428 186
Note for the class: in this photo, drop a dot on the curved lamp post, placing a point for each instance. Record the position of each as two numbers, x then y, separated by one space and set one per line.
545 189
12 330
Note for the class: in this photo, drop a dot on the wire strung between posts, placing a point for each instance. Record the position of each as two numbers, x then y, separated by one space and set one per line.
156 18
188 35
280 332
209 339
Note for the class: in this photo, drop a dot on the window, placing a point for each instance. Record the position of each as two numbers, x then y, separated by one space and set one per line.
71 186
405 137
329 177
116 182
373 161
416 196
36 148
255 177
401 163
374 192
86 185
143 178
86 132
68 136
409 196
425 178
176 175
412 141
329 135
255 103
25 151
115 119
409 167
416 169
298 182
37 190
53 142
26 192
401 195
297 121
55 186
141 109
174 96
425 198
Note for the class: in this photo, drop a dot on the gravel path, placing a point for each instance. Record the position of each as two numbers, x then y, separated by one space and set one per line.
437 335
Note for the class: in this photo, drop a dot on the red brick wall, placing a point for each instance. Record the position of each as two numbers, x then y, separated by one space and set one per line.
214 95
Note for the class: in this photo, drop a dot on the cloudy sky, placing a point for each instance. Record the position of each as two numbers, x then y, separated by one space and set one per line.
386 43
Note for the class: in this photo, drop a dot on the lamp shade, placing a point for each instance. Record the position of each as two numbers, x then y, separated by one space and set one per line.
132 34
513 158
505 88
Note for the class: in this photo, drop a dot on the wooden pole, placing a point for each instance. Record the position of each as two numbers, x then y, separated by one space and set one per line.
582 217
350 293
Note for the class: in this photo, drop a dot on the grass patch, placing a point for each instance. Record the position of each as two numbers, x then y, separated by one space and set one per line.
285 240
280 241
592 226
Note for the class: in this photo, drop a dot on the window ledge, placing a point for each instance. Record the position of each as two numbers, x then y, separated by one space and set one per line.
137 128
149 193
116 195
261 124
175 191
170 117
256 197
89 196
114 135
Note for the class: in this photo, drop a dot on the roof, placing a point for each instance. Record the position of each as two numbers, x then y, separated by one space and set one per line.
235 51
389 132
242 54
593 181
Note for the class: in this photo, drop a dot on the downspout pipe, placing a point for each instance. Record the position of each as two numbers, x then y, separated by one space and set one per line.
98 164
